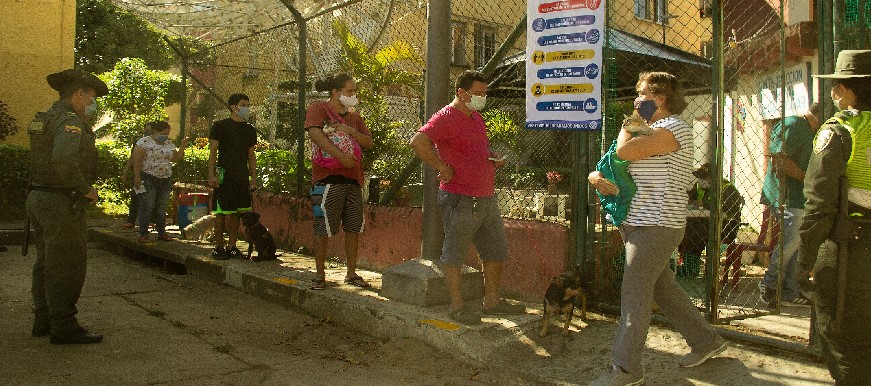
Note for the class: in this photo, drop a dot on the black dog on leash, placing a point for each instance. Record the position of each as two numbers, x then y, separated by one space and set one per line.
258 237
560 298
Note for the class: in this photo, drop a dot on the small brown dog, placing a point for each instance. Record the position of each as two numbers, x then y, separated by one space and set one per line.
560 298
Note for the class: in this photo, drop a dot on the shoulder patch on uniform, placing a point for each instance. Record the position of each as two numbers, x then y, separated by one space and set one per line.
72 129
822 140
36 127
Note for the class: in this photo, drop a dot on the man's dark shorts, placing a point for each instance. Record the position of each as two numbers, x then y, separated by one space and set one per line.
232 195
475 220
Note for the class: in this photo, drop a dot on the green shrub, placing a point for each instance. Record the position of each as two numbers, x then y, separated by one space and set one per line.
14 180
276 171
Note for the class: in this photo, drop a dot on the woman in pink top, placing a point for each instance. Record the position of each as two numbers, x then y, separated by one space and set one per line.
337 132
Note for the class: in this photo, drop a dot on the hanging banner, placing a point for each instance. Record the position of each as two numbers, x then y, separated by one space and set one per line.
563 64
769 92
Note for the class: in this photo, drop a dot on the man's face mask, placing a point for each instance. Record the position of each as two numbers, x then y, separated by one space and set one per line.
91 109
477 102
244 111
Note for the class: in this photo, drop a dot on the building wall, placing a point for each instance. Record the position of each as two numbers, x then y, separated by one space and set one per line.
38 39
686 29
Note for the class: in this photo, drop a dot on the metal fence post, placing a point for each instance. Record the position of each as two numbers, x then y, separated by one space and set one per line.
438 45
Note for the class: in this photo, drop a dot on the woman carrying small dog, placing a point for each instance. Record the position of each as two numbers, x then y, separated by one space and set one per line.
337 134
660 165
152 171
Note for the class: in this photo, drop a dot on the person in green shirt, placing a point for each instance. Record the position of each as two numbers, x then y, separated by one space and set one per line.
788 154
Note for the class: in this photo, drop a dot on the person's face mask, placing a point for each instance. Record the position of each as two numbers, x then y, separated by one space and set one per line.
162 138
477 102
348 101
646 108
836 101
243 112
91 109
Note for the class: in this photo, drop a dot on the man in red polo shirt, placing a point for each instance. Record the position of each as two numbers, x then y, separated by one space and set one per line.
455 143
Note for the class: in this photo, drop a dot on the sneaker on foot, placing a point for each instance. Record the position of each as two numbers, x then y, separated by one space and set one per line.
697 357
799 301
219 253
466 315
234 253
767 296
617 377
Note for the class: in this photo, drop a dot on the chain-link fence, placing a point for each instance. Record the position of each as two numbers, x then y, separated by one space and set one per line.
767 61
381 43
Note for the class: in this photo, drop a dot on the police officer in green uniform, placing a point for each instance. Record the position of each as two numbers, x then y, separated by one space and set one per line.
62 173
836 233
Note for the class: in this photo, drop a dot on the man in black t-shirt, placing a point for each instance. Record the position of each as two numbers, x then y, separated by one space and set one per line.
232 173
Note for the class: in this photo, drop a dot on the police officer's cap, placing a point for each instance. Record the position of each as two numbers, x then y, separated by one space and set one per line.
58 80
851 64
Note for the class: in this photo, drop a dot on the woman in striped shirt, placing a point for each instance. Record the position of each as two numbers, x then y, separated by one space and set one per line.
661 166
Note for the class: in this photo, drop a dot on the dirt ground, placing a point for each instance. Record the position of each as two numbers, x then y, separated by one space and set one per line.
163 328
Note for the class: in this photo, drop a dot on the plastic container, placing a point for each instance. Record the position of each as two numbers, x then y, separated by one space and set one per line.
192 206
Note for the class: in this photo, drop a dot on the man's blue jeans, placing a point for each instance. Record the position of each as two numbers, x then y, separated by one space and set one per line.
791 242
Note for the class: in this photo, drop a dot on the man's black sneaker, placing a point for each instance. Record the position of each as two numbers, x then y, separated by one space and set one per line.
83 337
219 254
234 253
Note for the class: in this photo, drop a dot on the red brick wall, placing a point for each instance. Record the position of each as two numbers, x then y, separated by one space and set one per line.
537 250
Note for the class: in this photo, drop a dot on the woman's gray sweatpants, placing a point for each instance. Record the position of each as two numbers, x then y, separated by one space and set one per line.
647 278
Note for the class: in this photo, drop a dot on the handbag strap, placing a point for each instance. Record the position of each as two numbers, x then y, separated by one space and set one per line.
333 115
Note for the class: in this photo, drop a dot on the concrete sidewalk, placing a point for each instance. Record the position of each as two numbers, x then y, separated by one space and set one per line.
510 343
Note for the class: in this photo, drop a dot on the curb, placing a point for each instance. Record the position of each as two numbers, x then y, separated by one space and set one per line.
359 309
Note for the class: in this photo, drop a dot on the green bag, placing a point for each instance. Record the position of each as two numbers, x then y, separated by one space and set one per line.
616 170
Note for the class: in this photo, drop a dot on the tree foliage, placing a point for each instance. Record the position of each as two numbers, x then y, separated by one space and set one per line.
136 95
377 75
106 34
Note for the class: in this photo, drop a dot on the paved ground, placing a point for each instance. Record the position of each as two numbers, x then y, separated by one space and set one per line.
164 328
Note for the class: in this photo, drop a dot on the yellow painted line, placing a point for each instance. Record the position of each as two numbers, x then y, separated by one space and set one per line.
558 89
558 56
284 280
441 324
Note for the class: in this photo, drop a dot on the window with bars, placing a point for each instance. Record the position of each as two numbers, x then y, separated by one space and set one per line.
458 43
652 10
485 44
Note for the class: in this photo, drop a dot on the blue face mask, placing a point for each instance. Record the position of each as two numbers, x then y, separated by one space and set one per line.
91 109
646 109
243 112
162 138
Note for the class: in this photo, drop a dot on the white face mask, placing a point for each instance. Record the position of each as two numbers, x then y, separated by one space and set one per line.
348 101
477 103
243 112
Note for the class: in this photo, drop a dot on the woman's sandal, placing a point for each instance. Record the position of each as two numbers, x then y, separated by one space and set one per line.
357 281
165 237
318 284
144 239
